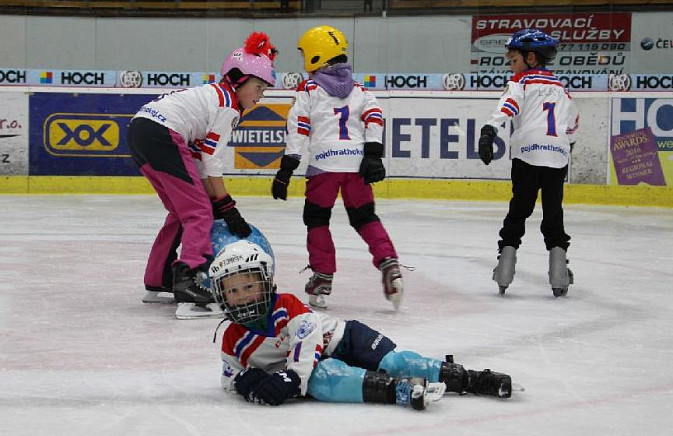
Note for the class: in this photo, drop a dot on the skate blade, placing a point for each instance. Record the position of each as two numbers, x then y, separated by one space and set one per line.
158 297
317 301
192 311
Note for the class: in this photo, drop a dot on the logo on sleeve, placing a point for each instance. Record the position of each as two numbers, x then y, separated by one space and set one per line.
305 329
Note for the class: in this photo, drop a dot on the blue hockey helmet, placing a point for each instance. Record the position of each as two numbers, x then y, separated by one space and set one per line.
533 40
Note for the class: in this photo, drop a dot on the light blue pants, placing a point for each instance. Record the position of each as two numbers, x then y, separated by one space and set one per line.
334 381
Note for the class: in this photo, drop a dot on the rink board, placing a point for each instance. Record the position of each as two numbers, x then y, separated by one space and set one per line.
61 141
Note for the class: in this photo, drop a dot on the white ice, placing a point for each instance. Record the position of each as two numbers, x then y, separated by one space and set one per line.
81 355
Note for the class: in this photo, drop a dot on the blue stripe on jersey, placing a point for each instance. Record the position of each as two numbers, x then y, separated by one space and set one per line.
297 351
539 76
511 107
243 343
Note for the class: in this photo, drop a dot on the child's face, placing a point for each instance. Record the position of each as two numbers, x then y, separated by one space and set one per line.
517 64
518 61
251 92
243 288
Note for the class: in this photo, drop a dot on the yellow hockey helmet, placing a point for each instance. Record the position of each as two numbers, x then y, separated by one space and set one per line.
321 44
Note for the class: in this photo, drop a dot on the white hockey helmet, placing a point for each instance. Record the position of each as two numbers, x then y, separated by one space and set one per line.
243 257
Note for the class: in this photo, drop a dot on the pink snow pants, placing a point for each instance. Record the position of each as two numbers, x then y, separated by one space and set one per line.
166 162
321 194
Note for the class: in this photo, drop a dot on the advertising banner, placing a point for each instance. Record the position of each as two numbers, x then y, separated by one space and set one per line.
590 43
82 134
641 141
437 137
88 78
14 134
259 140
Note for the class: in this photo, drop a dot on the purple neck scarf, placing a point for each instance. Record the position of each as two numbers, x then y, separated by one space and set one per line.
336 79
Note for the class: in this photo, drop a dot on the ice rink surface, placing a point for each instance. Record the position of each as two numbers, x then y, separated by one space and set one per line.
81 355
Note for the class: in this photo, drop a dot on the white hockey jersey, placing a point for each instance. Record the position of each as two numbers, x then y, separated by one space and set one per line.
543 115
333 129
295 339
204 116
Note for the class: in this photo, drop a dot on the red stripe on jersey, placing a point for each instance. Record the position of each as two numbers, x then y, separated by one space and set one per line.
220 93
506 111
214 136
542 82
375 110
251 349
513 103
519 76
302 119
303 131
374 120
195 155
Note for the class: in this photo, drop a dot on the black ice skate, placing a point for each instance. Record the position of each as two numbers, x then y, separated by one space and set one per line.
317 288
560 276
503 273
462 381
187 286
391 277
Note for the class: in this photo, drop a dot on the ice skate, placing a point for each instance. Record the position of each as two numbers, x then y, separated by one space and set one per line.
418 393
560 276
490 383
391 277
503 273
317 288
187 286
458 379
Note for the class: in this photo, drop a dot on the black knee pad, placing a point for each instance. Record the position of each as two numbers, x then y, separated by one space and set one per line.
316 216
359 216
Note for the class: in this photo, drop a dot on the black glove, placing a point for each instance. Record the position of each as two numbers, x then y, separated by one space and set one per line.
246 380
488 134
287 166
371 167
225 208
276 388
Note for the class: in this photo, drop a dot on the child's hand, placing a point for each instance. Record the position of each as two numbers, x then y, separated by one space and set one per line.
287 166
246 380
371 167
225 208
276 388
488 134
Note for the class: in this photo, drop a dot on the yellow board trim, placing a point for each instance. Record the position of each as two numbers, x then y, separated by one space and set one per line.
469 190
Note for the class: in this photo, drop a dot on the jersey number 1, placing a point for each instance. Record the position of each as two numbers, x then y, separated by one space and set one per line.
343 113
551 118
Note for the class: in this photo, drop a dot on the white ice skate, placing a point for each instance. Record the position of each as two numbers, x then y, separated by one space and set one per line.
503 273
391 278
560 276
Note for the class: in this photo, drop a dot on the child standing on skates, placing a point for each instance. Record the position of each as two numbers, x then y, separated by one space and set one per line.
544 119
341 125
178 142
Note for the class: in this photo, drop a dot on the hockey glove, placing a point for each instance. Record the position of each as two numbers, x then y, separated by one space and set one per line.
371 167
246 380
225 208
276 388
488 134
287 166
